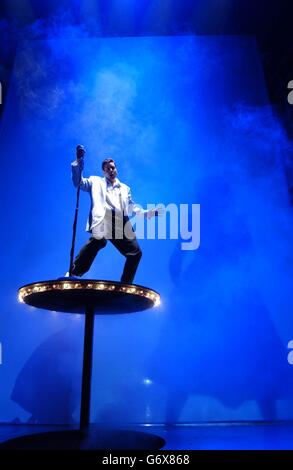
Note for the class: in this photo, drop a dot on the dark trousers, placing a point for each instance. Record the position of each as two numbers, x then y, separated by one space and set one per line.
127 247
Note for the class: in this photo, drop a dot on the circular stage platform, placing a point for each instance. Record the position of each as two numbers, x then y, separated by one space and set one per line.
72 296
90 297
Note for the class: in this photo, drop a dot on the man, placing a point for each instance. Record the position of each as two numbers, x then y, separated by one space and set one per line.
111 205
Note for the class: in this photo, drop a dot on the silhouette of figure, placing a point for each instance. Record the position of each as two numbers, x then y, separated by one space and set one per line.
48 385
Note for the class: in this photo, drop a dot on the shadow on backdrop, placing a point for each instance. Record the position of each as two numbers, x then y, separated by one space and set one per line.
48 385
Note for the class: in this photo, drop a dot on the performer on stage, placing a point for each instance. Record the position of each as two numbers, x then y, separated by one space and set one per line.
111 206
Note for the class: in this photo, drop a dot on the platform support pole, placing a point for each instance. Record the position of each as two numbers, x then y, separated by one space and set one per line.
87 368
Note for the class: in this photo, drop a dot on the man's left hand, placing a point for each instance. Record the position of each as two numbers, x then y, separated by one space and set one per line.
155 212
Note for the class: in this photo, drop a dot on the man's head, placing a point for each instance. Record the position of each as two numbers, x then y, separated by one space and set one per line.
109 169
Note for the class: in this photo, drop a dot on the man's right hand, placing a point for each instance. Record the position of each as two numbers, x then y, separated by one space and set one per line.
80 152
80 163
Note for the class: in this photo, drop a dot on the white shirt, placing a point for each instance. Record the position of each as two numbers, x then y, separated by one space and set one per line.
113 196
103 196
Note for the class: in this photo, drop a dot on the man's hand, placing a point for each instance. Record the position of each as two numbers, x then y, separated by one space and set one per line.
155 212
80 152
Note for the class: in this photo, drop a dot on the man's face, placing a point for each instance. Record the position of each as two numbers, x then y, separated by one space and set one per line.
110 171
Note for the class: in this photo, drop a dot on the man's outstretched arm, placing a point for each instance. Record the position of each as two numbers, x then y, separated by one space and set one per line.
76 172
138 210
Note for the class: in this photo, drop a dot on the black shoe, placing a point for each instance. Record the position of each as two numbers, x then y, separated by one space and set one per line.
68 278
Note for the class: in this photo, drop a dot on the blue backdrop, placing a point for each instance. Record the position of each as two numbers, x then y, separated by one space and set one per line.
187 120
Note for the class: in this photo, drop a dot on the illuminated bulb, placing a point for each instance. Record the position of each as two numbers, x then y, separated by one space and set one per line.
157 302
147 381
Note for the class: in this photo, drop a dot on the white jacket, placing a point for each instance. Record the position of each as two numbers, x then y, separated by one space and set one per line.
97 187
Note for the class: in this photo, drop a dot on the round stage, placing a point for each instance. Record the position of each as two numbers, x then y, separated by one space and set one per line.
90 297
105 297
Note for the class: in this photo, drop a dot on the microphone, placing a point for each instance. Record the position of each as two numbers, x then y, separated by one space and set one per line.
80 151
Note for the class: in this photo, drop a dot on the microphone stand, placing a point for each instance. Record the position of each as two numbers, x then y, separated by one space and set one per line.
74 227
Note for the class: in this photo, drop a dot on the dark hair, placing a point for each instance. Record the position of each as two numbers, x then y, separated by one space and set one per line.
106 161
